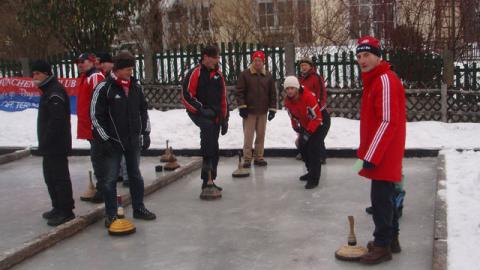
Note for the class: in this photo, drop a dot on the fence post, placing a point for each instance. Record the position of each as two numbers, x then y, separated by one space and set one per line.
443 101
448 67
25 62
148 62
290 59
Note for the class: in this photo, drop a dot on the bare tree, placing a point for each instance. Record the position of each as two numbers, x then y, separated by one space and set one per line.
17 41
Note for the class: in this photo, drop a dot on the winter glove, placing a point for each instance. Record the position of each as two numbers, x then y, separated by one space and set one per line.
243 112
224 129
368 165
107 147
271 115
145 141
303 139
207 113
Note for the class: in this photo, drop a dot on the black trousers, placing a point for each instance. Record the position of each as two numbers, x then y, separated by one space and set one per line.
57 178
385 214
209 133
311 153
324 128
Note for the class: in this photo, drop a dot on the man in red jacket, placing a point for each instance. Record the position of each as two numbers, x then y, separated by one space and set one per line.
382 145
89 78
313 81
306 118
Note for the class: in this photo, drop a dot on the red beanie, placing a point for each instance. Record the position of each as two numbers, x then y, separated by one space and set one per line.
369 44
259 54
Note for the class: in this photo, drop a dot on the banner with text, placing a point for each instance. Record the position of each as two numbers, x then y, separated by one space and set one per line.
19 93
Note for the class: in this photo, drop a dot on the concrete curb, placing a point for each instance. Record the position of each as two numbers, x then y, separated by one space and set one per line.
16 255
269 152
16 155
440 233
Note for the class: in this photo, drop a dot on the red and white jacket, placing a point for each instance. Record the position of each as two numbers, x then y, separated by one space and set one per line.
204 88
316 84
304 111
382 124
88 82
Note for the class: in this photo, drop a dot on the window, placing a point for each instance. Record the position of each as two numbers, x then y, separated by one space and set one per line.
285 13
369 17
266 14
304 21
205 17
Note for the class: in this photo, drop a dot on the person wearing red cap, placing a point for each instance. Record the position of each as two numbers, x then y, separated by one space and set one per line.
382 145
256 96
89 78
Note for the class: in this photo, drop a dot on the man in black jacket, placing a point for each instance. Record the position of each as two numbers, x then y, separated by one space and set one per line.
54 142
205 97
121 127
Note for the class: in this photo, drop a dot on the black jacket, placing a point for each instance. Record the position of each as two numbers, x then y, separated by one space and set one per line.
118 117
205 89
53 122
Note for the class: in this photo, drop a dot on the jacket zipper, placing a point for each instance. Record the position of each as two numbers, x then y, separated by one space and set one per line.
114 126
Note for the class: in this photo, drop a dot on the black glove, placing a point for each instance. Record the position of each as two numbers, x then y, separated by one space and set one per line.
107 147
271 115
303 139
224 129
206 112
243 112
368 165
145 142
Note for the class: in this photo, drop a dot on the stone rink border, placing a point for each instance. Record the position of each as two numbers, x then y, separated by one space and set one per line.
64 231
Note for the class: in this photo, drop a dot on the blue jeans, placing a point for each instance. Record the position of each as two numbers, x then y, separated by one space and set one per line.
110 164
385 214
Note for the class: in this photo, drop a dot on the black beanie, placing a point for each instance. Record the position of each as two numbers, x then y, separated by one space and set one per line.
123 60
104 57
42 66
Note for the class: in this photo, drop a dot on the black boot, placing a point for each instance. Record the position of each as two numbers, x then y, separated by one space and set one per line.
304 177
50 214
143 213
311 184
61 218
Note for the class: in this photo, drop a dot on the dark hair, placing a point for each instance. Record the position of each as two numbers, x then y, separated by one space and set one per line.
210 50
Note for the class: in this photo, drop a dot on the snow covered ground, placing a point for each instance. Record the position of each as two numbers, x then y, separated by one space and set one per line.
19 129
463 170
463 208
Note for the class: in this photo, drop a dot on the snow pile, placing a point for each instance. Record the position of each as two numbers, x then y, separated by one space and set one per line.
19 129
463 208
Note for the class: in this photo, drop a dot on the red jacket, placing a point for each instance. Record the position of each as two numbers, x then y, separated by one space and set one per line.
203 88
304 111
88 81
382 124
316 84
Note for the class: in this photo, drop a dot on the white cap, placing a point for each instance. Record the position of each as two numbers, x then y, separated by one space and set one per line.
291 81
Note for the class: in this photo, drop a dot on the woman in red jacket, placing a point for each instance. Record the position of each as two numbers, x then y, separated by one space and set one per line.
382 144
306 118
311 80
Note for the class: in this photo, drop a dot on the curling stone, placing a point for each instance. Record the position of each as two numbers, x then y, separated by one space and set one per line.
91 190
210 192
121 226
240 171
351 252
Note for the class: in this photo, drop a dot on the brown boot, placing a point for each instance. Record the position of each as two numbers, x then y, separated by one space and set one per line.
376 255
394 245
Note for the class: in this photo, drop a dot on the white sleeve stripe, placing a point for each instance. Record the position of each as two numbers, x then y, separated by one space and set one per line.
95 123
385 117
